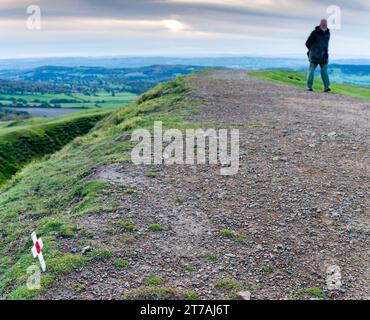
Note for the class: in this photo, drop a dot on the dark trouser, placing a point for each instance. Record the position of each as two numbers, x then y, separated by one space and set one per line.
324 74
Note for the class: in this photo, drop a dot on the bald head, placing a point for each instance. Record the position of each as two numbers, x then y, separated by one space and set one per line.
324 24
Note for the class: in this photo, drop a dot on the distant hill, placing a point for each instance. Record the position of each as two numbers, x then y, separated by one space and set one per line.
242 62
353 71
88 79
137 62
352 74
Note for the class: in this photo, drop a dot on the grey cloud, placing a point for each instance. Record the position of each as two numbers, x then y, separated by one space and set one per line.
161 8
288 25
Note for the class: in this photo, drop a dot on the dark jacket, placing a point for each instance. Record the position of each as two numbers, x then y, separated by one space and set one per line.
318 46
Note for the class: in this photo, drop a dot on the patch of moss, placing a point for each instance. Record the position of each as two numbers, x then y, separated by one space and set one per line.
231 285
63 229
313 292
130 191
121 263
155 227
100 254
228 233
266 268
160 293
231 234
189 268
210 256
151 174
152 281
180 200
66 263
130 226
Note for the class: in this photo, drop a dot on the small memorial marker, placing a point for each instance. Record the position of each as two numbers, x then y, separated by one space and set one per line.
37 250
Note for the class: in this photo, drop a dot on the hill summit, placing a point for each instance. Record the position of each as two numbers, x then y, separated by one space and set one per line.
297 208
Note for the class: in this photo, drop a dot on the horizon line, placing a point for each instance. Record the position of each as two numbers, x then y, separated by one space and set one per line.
295 57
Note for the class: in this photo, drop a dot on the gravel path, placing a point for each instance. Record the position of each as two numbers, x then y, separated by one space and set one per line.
299 204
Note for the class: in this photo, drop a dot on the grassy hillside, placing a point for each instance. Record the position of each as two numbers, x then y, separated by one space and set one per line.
299 79
24 140
47 196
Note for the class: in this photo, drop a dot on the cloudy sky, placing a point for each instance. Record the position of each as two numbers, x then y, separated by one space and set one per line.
179 27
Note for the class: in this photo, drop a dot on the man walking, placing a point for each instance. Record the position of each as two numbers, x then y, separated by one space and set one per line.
318 54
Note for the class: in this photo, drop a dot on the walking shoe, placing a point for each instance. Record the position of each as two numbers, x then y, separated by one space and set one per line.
327 90
310 89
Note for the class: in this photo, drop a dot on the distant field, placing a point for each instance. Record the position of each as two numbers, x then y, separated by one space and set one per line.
76 100
298 79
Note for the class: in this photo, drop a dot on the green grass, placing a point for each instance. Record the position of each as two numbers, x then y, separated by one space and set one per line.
189 268
130 191
155 227
228 233
152 281
15 125
151 174
48 194
231 234
255 287
120 263
59 229
299 79
66 263
230 285
313 292
32 139
160 293
100 254
210 256
180 200
266 269
129 227
79 287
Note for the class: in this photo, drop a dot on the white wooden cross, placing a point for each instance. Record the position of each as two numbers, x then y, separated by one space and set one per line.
36 250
